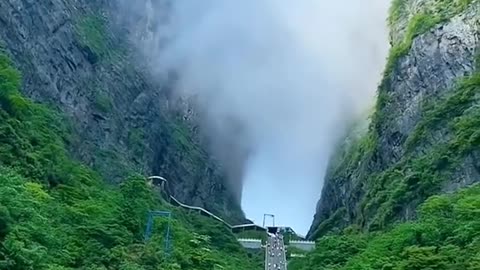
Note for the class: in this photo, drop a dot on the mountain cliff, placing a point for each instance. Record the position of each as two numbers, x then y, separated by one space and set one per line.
81 125
422 138
74 59
401 193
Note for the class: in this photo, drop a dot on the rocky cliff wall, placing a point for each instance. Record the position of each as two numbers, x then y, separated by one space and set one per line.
423 137
75 59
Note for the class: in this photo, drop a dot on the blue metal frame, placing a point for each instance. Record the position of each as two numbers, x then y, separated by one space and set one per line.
148 230
268 215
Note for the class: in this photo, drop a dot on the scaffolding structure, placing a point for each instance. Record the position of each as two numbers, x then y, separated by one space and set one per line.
149 228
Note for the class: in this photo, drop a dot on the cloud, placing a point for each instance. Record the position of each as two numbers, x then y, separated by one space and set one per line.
276 82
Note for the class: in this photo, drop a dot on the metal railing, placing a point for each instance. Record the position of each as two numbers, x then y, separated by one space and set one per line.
166 189
247 226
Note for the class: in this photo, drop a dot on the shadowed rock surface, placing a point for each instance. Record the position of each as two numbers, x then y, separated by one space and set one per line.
74 59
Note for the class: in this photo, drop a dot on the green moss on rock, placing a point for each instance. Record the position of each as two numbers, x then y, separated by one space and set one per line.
103 102
403 12
92 34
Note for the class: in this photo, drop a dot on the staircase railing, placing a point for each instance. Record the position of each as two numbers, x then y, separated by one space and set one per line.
165 187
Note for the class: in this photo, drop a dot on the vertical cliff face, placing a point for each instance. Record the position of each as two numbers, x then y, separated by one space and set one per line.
74 59
423 137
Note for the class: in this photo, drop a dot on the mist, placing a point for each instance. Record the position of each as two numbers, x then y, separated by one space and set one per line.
276 83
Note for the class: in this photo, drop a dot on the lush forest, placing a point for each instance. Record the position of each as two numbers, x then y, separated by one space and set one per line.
56 213
446 236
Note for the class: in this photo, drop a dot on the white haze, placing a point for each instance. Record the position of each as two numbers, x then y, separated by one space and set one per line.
289 74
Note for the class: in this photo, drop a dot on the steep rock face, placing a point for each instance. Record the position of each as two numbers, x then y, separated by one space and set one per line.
72 59
421 140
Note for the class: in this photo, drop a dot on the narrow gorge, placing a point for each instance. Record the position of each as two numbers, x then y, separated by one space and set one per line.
363 117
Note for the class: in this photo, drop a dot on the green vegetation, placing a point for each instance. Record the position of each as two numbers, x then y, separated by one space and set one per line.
290 236
180 138
113 164
358 150
136 141
57 214
421 172
446 236
419 24
330 223
250 234
98 44
441 9
31 138
184 143
91 32
477 60
103 102
293 250
397 9
454 107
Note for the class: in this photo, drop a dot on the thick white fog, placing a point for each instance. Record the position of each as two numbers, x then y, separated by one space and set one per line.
276 82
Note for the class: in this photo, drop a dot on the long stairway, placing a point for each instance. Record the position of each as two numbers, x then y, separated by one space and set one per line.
275 253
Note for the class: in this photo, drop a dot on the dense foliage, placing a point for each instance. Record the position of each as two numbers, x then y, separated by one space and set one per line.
446 236
57 214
